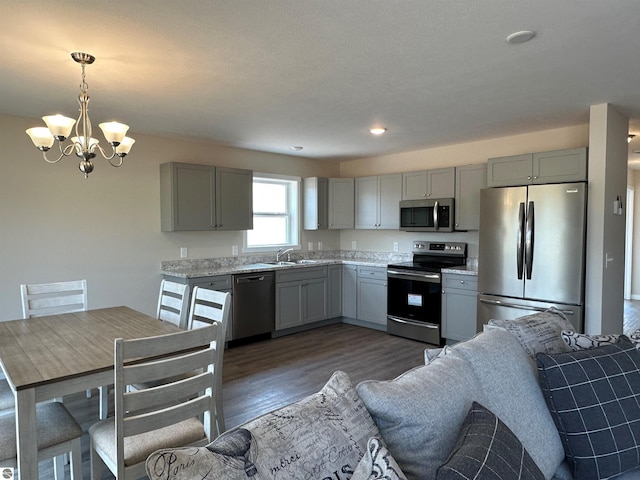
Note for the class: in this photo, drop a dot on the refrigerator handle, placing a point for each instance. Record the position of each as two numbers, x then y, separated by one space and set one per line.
435 214
529 242
520 240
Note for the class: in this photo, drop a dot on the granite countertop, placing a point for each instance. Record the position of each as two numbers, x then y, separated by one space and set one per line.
212 271
211 267
471 270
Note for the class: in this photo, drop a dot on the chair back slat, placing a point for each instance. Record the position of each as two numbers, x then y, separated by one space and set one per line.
155 396
168 416
167 367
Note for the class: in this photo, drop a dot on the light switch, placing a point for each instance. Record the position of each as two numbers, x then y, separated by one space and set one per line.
183 252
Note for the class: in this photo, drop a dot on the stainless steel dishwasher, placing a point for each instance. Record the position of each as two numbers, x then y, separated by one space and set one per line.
254 309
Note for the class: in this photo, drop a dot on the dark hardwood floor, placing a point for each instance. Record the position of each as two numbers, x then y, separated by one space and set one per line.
263 376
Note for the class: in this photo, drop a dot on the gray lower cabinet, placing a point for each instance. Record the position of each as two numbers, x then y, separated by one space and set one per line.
372 294
202 197
222 283
459 306
334 278
350 291
301 296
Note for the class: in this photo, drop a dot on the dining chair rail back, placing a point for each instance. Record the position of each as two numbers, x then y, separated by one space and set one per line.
173 303
207 307
180 412
53 298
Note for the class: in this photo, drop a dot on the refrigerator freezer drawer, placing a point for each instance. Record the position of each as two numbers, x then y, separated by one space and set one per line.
505 308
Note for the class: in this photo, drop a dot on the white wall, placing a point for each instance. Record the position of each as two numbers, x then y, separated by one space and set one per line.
55 225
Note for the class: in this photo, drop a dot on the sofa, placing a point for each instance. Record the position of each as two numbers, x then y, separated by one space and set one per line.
525 399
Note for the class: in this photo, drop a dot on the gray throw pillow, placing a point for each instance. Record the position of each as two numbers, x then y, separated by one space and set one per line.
420 412
594 398
487 450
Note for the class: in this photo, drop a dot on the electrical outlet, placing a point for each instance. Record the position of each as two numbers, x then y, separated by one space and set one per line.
183 252
310 246
395 246
320 245
234 250
353 245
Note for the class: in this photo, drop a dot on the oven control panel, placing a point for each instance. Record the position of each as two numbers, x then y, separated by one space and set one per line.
448 248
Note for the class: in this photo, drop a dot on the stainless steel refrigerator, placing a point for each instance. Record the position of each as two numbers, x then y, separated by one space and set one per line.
532 251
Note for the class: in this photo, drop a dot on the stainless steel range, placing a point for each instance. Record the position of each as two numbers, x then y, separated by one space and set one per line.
414 290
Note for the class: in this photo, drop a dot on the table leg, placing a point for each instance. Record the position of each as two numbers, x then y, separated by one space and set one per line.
26 434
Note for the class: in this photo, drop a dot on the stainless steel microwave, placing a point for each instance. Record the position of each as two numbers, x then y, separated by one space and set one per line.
430 215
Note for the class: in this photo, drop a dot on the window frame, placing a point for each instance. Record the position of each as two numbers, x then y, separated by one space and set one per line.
294 210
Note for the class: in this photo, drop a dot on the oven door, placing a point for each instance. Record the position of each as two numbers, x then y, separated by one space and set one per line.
414 305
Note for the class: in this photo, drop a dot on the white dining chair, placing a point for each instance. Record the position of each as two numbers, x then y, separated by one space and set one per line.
57 433
167 415
173 303
212 307
42 299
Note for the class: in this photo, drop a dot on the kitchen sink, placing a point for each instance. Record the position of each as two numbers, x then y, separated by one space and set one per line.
302 262
279 263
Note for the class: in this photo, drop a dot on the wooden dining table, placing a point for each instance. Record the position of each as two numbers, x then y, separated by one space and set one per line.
48 357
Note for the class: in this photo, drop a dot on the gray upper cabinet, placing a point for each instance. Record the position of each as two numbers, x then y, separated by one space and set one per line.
435 183
328 203
341 203
512 170
560 166
538 168
377 202
203 197
234 199
315 191
470 179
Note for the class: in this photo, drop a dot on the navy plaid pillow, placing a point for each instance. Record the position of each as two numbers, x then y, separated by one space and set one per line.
487 450
594 399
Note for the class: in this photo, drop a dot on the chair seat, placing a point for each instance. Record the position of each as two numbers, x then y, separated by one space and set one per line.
6 396
138 447
54 425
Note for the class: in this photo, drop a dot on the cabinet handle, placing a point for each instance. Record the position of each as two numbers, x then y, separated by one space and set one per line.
535 177
462 282
529 178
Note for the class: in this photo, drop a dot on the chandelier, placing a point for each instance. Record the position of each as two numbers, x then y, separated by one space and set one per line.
83 144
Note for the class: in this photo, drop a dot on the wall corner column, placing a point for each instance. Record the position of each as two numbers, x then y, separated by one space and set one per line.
604 282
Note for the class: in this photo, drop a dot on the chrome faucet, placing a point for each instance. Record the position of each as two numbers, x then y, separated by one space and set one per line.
282 252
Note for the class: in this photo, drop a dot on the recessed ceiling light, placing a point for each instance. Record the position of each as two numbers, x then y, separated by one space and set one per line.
630 137
295 148
520 37
377 130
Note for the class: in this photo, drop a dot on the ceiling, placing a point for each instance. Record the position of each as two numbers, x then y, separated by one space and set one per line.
270 74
